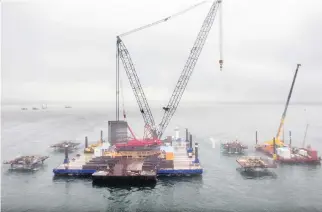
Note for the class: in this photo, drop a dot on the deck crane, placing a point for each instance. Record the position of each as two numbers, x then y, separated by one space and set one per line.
287 103
122 52
278 142
170 109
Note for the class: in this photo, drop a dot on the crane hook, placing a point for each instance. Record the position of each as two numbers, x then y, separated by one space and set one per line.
221 63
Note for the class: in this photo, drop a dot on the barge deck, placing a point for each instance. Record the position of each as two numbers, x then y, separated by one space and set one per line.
175 163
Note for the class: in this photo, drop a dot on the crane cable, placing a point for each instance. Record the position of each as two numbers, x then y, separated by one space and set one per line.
124 114
221 60
162 20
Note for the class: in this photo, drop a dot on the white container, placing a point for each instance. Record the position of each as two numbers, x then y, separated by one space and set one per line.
177 133
284 152
303 152
97 152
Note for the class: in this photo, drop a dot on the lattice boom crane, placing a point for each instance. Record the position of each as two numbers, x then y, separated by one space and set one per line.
137 89
170 109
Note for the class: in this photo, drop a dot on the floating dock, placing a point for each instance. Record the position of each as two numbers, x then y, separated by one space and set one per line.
170 161
26 163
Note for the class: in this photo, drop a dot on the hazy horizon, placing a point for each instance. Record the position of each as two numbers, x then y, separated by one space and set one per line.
58 50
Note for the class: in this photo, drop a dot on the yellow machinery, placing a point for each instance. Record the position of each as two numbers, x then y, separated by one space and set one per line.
169 156
278 141
90 148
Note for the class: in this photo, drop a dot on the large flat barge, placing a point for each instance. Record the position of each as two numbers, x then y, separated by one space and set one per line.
169 161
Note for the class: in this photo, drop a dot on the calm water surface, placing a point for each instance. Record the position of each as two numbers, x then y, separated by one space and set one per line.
221 188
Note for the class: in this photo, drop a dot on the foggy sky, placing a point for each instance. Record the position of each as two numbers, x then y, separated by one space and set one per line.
65 50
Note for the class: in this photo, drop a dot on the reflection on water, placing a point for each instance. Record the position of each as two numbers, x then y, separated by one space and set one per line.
123 185
257 174
220 188
170 181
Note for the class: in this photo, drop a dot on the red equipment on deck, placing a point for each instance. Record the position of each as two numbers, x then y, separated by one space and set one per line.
297 156
301 155
137 143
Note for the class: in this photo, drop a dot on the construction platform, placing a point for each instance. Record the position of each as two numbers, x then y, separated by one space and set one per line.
26 163
234 147
61 146
254 166
255 163
175 162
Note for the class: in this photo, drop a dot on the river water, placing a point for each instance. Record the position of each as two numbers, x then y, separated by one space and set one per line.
221 188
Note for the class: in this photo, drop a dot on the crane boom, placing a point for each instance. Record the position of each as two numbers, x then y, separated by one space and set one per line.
173 103
287 102
137 88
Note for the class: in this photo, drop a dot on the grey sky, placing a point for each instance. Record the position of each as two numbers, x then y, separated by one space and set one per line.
65 50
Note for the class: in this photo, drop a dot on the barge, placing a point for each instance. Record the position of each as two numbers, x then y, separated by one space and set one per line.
234 147
26 163
61 146
167 160
254 166
126 170
288 154
291 155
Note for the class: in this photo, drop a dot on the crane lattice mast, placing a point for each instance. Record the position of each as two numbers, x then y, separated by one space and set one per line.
170 109
287 103
122 52
137 89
